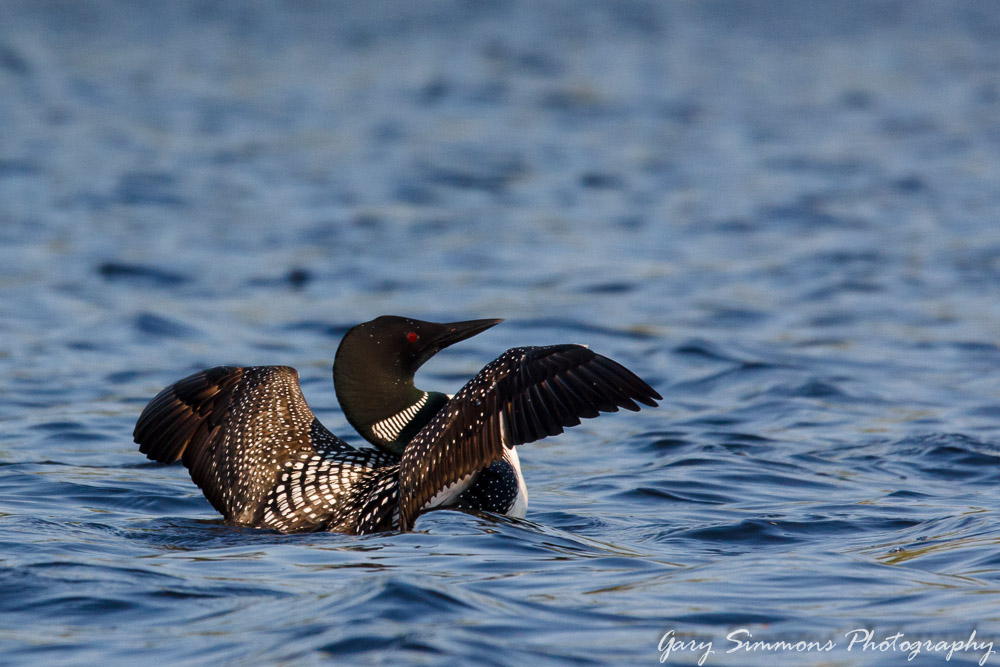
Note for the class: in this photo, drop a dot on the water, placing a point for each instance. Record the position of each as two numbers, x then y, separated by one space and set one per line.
783 215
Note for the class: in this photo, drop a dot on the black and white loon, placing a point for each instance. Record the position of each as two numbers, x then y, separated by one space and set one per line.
262 458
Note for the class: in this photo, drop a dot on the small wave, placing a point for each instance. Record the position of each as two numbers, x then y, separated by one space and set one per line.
159 326
140 274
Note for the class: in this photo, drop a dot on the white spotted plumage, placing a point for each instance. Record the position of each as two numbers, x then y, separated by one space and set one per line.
262 458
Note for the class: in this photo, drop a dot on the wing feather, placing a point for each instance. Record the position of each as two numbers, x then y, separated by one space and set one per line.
237 429
526 394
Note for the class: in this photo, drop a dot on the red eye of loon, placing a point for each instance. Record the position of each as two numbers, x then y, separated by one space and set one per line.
412 336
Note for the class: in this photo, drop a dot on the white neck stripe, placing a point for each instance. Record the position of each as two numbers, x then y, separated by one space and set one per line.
390 427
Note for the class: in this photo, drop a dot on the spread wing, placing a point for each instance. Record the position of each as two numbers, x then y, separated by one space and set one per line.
251 442
525 394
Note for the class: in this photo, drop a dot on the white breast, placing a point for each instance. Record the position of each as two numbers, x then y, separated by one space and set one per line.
449 494
520 505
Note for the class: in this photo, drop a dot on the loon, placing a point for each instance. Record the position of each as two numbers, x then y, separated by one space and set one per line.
263 460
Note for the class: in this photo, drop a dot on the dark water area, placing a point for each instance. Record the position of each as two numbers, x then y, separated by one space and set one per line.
784 215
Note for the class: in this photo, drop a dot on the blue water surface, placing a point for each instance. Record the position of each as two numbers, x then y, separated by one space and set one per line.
784 215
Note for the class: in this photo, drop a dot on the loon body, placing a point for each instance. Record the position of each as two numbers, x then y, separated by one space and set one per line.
262 458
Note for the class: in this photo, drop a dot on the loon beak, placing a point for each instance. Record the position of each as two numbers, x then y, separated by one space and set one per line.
454 332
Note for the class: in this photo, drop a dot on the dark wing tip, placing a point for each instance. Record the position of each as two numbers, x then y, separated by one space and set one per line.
172 419
552 388
600 384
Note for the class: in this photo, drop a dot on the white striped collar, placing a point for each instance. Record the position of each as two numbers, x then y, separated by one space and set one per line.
389 428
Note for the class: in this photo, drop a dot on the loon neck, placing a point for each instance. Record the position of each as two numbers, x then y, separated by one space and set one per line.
394 431
384 407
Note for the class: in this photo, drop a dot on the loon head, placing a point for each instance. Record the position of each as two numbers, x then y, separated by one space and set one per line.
373 374
401 345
